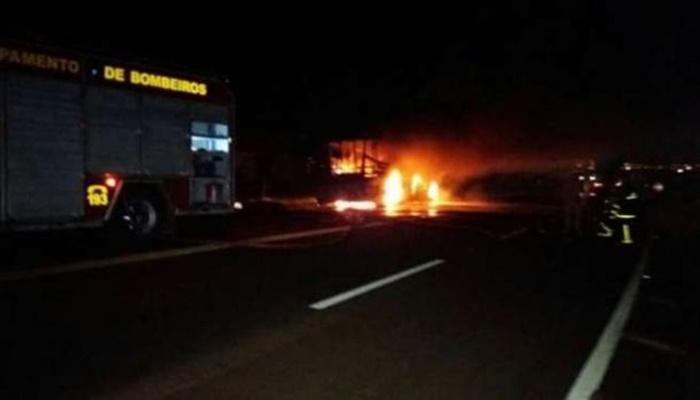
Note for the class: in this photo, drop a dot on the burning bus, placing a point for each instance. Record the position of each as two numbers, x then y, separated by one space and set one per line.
365 175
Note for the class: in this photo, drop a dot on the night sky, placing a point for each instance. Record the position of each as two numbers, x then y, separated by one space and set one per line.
558 76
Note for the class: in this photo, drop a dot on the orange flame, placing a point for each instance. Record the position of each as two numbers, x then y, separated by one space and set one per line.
433 191
393 189
416 183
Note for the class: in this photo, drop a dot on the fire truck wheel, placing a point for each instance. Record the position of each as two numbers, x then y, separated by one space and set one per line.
142 214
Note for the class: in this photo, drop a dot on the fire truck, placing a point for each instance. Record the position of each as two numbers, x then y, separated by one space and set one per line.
87 141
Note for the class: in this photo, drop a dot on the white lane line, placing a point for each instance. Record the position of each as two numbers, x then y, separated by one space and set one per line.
656 344
591 375
171 253
515 233
345 296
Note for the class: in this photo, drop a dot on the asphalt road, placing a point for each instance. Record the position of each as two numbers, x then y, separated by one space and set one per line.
508 308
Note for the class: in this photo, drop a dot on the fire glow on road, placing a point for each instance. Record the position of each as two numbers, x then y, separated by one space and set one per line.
360 205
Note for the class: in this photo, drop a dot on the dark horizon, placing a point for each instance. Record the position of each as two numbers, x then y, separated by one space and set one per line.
566 77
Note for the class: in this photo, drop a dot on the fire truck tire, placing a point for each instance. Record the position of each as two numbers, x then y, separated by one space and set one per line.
143 213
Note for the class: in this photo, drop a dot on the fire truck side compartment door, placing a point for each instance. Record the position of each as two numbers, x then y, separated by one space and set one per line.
164 144
44 148
113 131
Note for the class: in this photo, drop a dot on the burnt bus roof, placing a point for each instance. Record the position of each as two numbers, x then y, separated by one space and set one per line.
102 71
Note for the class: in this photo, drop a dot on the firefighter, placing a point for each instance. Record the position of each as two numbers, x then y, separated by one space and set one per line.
621 211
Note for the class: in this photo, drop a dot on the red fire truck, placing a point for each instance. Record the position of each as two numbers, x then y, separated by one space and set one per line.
86 141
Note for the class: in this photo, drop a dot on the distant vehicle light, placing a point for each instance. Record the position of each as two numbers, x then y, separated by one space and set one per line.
581 178
598 185
110 181
237 205
360 205
680 170
618 184
657 187
688 167
592 178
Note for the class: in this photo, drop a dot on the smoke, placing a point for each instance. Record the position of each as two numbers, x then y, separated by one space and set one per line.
518 147
464 162
465 157
522 135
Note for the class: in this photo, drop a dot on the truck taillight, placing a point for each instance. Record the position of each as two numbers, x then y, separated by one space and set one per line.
110 181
